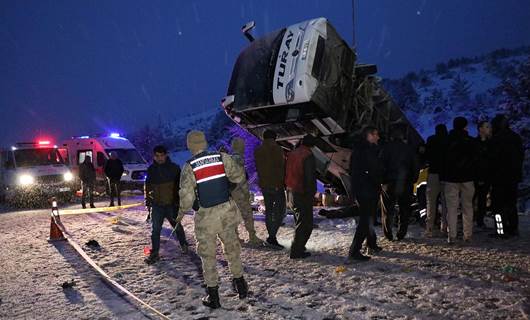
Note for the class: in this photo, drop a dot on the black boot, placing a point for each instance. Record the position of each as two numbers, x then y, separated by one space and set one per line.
212 299
152 258
241 287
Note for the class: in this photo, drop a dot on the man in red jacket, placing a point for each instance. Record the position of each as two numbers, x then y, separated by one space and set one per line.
301 183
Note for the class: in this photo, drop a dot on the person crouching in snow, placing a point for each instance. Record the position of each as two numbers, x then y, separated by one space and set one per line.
241 194
204 186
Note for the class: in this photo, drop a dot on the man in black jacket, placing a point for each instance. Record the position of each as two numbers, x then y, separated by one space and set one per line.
366 171
87 175
401 171
460 165
162 194
435 150
483 178
114 171
507 171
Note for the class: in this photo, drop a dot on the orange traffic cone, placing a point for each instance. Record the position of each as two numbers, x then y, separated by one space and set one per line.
55 232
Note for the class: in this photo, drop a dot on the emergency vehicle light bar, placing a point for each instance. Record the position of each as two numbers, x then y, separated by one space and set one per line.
111 135
43 143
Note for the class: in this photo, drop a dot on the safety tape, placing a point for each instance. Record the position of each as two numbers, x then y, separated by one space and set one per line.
105 276
102 209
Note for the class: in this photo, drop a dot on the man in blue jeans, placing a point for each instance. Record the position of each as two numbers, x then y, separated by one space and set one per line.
162 195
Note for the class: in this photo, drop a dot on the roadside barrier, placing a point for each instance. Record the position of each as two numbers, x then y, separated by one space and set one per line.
102 209
58 232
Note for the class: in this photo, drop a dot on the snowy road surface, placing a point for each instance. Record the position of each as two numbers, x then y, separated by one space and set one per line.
412 279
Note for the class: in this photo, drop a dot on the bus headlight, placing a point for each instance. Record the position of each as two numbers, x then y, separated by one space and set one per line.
26 180
68 177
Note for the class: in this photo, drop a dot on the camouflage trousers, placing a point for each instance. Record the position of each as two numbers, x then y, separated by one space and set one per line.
210 223
241 197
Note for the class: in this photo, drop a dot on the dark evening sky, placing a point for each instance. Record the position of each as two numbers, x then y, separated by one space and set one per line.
83 67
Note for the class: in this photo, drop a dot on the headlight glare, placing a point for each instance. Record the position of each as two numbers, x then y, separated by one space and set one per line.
26 179
68 177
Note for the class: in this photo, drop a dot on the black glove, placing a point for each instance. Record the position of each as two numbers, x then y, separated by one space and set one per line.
148 202
196 205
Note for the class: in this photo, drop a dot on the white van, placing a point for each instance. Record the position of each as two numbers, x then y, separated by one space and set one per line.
33 171
98 148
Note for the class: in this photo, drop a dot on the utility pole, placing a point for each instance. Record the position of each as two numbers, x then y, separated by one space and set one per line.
353 22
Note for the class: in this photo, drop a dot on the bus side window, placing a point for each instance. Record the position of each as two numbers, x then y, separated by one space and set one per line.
101 159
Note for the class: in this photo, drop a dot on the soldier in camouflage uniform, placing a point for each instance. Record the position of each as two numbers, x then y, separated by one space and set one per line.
241 194
204 186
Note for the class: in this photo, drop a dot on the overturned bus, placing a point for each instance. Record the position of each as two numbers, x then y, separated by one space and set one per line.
305 79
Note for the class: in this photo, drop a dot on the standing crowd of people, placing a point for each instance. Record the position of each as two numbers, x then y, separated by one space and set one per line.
113 172
462 172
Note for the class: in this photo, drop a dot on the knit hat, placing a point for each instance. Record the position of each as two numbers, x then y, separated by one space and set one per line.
238 146
196 142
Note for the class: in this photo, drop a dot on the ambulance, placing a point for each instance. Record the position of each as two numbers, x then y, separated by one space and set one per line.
98 148
31 172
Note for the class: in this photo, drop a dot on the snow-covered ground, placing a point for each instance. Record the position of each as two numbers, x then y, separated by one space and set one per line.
412 279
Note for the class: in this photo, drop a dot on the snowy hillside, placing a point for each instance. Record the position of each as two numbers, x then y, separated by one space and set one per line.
474 88
172 132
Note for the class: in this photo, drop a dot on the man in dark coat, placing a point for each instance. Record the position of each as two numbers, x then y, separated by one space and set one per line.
483 178
270 166
301 182
507 171
435 150
366 169
460 172
401 171
87 175
162 194
114 171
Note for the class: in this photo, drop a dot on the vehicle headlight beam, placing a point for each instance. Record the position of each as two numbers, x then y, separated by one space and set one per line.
26 180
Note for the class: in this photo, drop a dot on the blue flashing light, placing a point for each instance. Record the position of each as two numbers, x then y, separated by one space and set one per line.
114 135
